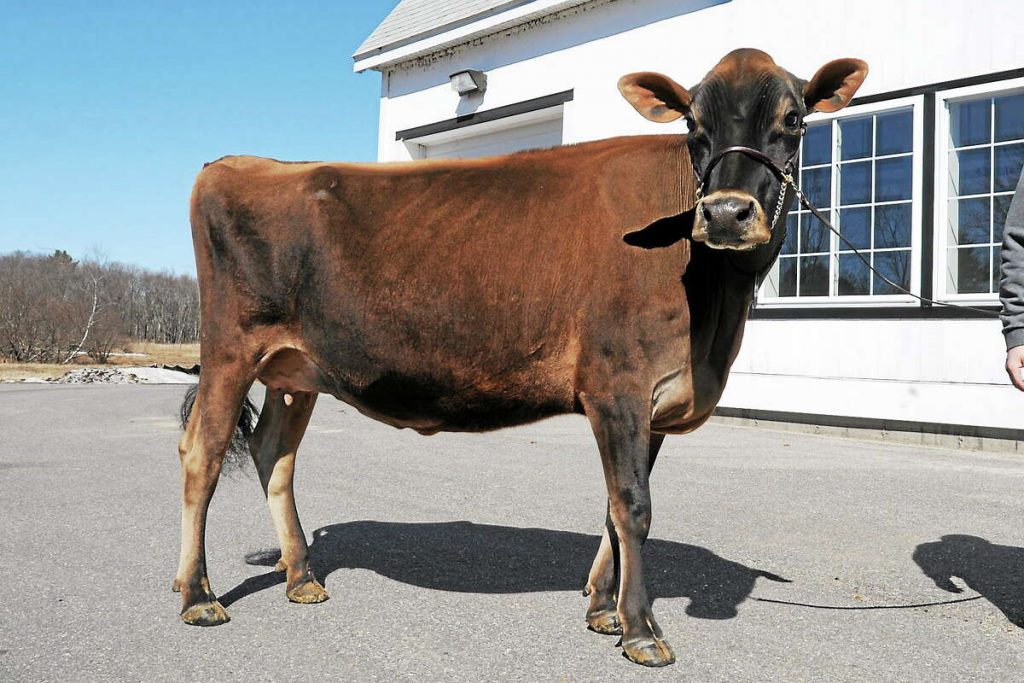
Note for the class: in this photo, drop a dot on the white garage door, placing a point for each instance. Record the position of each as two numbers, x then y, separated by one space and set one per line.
527 136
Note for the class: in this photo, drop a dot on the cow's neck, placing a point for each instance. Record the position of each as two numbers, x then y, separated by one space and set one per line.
723 283
719 295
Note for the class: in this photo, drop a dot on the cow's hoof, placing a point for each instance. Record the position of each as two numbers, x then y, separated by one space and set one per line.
176 586
649 652
205 614
605 621
308 593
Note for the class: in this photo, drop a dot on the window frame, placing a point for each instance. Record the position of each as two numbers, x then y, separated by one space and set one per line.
943 148
917 105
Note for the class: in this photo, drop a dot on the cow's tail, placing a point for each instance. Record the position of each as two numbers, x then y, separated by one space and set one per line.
237 454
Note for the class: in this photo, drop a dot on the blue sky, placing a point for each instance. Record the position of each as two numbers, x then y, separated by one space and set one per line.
109 109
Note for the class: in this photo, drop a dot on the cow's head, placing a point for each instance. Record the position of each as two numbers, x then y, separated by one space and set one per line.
747 100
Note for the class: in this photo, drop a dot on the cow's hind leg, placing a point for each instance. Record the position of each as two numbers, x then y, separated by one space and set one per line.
603 581
274 444
622 428
211 426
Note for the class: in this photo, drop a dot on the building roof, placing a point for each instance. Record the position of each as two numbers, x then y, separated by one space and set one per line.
413 21
414 18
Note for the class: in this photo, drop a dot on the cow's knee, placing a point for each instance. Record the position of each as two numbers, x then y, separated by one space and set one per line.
633 519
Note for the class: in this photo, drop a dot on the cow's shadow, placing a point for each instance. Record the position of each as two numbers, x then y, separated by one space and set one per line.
484 558
994 571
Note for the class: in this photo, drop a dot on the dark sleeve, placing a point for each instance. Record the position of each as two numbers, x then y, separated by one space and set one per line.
1011 275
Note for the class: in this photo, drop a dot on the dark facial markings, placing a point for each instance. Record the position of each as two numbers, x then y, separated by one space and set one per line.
762 112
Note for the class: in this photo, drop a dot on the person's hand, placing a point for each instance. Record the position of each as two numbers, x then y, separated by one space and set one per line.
1014 365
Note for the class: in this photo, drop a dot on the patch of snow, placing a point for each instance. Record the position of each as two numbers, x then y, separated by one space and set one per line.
125 375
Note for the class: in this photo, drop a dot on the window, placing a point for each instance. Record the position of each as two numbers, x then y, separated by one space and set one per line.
860 168
980 153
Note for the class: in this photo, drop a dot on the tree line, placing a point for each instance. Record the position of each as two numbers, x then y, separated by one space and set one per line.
54 308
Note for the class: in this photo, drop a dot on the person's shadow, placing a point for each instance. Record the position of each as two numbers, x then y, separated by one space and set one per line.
484 558
994 571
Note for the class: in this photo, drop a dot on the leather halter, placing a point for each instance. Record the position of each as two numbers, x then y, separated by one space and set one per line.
785 175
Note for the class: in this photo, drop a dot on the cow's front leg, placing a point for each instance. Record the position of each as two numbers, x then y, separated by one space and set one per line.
603 581
622 427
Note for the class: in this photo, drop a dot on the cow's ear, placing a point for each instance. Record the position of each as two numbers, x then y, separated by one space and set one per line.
663 232
655 96
834 85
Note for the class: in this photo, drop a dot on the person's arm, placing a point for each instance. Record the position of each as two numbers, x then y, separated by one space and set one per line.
936 562
1011 287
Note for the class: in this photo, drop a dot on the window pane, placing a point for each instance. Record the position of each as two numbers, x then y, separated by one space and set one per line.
855 138
789 245
817 146
1000 205
1009 117
969 122
855 226
895 265
968 220
787 277
1009 159
892 226
893 179
813 275
817 185
813 235
854 276
895 133
970 171
970 272
855 183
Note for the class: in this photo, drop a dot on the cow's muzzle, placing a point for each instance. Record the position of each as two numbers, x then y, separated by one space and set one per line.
731 219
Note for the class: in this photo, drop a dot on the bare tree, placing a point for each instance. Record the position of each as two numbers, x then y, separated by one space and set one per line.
53 308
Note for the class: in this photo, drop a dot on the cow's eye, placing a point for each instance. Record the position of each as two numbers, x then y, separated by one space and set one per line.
792 119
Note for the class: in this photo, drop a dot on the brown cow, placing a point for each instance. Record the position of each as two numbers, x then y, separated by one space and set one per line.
470 295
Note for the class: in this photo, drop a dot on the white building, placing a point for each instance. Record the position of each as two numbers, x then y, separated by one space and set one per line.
921 167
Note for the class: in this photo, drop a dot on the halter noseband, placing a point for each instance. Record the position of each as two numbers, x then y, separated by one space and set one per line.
784 174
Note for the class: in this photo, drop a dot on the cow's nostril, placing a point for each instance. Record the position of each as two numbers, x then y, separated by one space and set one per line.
744 213
707 214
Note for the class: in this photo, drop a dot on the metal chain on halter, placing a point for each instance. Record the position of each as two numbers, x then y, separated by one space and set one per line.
786 178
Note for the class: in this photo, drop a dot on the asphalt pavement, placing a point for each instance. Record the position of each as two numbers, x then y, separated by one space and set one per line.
774 556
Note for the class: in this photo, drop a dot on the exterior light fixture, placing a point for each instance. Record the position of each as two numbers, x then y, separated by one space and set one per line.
468 81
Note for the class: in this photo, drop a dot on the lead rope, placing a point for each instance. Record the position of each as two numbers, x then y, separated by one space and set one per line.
817 214
787 180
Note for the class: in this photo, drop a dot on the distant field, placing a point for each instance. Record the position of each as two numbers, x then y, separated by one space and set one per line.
143 353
